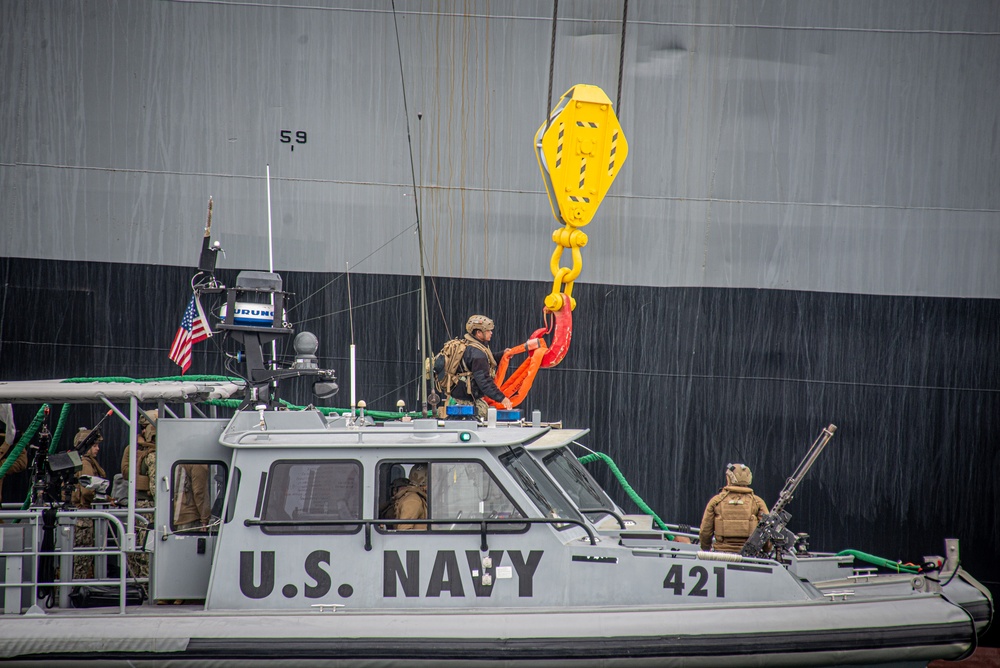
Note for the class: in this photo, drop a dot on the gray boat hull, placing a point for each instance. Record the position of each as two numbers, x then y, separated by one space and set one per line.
881 632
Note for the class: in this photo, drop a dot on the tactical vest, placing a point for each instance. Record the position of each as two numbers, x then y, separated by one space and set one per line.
486 350
450 368
142 481
736 515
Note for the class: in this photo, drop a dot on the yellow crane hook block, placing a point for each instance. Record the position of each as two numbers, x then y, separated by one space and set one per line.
580 151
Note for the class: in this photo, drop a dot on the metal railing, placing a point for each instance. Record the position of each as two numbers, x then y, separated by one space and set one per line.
65 552
483 524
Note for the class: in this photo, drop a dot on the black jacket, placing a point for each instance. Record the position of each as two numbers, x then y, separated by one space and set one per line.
475 361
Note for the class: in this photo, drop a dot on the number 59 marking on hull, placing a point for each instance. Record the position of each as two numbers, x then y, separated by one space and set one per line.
675 580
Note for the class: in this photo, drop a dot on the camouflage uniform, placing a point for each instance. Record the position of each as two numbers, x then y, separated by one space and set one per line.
145 488
732 514
481 407
83 567
138 563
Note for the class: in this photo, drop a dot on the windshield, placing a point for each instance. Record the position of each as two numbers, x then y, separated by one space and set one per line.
540 489
574 478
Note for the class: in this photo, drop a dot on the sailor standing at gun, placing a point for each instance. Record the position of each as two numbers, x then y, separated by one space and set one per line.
732 514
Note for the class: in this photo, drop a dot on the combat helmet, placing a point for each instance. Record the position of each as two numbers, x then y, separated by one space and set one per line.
153 414
418 474
739 474
479 322
80 440
147 429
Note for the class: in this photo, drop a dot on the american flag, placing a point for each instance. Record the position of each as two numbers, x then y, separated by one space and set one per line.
194 328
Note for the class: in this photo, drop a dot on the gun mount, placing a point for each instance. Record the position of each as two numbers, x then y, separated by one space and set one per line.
772 537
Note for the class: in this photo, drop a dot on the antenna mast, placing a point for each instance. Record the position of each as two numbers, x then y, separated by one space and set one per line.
270 264
424 361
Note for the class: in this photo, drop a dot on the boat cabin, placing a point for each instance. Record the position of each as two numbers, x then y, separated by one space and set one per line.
303 514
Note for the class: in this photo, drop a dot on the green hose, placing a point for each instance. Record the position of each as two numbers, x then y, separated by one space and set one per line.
63 414
632 494
878 561
22 442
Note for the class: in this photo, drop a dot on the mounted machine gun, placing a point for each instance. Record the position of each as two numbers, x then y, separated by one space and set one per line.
772 537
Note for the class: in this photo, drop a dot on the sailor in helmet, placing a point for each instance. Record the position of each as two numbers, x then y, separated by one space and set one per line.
732 514
482 368
88 448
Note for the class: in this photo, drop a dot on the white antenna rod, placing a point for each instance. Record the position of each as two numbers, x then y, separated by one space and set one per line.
270 238
350 311
270 265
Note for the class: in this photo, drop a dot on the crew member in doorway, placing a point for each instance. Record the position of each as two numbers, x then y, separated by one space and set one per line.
192 507
732 514
480 369
411 500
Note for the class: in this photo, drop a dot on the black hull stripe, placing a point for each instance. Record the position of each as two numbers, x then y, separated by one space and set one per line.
666 646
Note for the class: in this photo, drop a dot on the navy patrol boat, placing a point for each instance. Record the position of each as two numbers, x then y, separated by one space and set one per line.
522 558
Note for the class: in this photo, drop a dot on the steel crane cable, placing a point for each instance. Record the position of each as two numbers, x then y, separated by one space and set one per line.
552 59
621 64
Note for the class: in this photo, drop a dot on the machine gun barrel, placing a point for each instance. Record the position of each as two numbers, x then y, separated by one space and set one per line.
795 479
772 535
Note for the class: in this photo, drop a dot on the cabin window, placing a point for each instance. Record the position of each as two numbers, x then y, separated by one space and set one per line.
197 491
234 489
543 492
455 490
312 497
578 483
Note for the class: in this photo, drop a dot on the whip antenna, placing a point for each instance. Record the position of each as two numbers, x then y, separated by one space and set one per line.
424 326
350 312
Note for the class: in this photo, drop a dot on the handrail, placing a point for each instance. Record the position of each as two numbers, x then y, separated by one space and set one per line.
32 551
483 522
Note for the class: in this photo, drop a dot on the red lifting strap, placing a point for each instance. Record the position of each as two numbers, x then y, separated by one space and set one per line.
562 336
540 355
